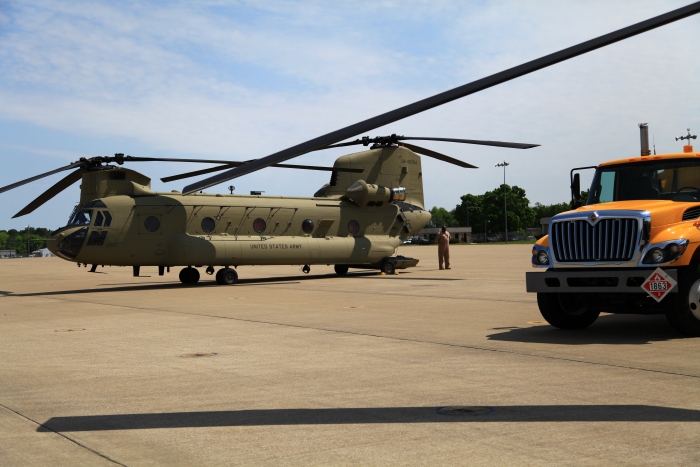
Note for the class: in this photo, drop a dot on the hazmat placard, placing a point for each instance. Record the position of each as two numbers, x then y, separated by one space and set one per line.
658 284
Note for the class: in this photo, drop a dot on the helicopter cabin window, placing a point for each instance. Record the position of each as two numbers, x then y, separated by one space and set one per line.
307 226
353 227
208 224
81 217
152 223
108 219
97 238
99 218
259 225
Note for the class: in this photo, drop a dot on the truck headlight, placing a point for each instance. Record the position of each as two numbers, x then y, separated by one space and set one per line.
657 255
540 256
665 252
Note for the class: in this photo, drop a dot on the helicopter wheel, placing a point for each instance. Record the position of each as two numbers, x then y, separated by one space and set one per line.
341 269
226 276
388 267
189 276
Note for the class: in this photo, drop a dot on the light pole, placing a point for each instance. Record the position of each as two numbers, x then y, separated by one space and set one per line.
486 231
505 204
28 252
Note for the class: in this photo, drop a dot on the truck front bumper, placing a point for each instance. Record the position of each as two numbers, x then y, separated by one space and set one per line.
594 281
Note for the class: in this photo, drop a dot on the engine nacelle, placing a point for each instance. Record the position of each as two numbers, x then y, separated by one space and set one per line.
365 194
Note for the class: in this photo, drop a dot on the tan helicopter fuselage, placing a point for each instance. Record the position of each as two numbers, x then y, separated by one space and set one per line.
353 220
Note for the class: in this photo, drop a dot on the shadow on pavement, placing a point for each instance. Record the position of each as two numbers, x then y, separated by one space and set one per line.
608 329
178 285
523 413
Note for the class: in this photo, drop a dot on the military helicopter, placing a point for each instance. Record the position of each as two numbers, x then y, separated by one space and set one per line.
373 201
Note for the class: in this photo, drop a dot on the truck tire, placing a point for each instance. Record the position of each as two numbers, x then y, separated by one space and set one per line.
566 311
685 316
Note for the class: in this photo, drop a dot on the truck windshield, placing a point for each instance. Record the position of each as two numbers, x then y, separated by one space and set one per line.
673 180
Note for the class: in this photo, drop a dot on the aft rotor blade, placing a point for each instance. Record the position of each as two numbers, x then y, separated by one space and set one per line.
228 166
438 156
447 96
37 177
500 144
62 184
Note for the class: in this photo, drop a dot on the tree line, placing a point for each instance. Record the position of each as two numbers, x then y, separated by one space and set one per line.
486 211
20 240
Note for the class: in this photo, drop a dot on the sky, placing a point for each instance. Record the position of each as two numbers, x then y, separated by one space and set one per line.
238 80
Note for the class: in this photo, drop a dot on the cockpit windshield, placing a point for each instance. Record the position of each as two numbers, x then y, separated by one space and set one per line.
673 180
81 217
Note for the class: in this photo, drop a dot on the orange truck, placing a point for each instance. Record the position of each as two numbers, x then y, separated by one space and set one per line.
632 248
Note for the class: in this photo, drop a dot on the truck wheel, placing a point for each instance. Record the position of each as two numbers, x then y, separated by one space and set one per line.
341 269
685 316
566 310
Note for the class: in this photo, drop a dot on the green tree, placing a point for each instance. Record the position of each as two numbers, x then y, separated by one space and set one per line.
441 216
478 210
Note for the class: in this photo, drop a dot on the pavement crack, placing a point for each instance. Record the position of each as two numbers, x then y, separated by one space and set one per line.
68 438
396 338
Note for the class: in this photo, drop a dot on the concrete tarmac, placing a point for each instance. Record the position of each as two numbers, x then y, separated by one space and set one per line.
427 367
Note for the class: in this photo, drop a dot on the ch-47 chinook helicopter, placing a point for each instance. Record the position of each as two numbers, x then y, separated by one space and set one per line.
373 201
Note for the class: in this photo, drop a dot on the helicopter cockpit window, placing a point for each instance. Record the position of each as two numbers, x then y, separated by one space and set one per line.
97 238
95 204
208 224
99 219
152 223
108 218
81 217
307 226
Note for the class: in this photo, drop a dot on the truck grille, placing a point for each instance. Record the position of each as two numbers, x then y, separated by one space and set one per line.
609 240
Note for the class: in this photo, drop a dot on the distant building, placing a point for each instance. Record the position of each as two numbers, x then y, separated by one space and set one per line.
464 234
544 222
8 253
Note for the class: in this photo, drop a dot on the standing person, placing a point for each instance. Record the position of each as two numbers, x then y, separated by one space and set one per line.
443 241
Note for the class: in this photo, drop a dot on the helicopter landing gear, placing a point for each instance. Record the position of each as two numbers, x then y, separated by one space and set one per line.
189 275
306 269
341 269
226 276
388 267
210 270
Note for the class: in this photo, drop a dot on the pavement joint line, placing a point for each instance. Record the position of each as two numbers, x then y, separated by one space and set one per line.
404 339
68 438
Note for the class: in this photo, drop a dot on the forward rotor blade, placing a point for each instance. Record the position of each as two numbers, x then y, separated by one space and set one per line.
500 144
228 166
62 184
447 96
438 156
37 177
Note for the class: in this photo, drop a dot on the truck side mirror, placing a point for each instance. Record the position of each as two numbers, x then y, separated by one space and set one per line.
575 191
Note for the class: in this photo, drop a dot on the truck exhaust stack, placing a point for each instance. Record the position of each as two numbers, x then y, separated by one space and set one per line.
644 138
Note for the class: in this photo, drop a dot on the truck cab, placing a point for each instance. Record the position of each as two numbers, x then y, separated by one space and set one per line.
632 248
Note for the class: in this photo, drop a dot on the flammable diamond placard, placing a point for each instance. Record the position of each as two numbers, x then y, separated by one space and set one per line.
659 284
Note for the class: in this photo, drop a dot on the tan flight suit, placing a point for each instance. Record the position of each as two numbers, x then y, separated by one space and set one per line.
443 241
